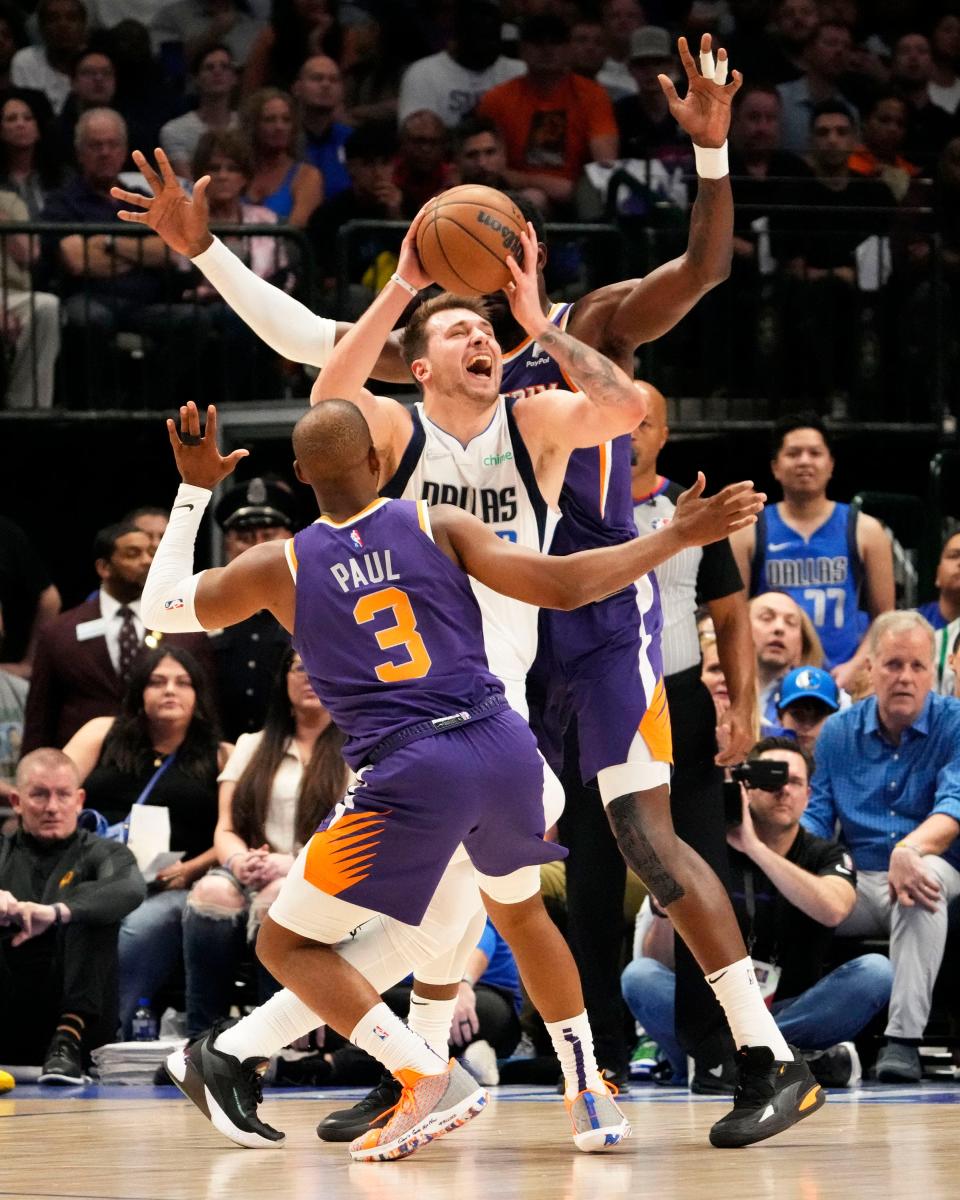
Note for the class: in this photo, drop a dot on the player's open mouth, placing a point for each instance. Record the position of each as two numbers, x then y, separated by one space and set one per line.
481 364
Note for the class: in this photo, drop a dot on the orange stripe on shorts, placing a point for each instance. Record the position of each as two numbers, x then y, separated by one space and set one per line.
655 728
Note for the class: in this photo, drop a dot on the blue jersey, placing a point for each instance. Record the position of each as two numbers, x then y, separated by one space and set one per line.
824 574
387 627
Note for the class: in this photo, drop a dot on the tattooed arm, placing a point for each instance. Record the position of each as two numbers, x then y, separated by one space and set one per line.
603 402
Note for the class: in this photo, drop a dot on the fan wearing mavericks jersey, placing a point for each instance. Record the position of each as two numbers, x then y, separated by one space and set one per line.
837 564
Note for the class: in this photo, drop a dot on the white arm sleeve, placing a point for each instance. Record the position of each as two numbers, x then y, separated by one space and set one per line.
168 595
285 324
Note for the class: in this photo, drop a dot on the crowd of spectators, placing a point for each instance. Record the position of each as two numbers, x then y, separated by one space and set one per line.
847 124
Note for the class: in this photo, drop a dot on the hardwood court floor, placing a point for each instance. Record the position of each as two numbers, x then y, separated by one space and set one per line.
141 1144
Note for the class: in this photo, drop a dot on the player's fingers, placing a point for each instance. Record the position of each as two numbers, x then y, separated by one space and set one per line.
733 526
172 434
736 83
666 86
166 170
131 197
146 170
723 63
687 59
211 425
707 65
200 190
234 457
193 419
514 268
134 218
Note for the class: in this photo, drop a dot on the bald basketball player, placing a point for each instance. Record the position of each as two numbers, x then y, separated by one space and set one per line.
382 615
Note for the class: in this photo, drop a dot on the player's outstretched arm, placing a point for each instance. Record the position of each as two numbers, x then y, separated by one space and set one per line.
624 315
356 353
283 323
174 599
608 403
569 581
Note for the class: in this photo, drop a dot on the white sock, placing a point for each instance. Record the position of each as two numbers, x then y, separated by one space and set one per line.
384 1036
750 1021
573 1043
275 1024
431 1020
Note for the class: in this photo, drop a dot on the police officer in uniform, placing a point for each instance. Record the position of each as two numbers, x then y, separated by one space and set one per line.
247 656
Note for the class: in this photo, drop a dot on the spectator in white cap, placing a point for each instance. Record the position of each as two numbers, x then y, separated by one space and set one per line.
808 695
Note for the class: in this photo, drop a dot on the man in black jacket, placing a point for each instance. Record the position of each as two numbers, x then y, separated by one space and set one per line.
63 894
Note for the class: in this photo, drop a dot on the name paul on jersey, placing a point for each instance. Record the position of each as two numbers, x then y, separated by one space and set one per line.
373 567
494 506
806 572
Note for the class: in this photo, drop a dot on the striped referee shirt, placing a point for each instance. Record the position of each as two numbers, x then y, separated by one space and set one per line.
694 576
880 792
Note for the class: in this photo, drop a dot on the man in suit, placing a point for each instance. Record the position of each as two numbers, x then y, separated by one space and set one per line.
84 656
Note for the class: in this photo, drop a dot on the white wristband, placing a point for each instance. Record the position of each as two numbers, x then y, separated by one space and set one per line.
401 282
167 603
712 163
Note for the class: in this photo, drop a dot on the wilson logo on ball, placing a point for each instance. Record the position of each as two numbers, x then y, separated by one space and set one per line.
510 240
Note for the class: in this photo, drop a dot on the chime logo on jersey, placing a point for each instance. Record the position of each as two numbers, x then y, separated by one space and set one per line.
356 539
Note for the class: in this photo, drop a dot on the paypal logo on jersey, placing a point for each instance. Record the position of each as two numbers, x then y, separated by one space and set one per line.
356 539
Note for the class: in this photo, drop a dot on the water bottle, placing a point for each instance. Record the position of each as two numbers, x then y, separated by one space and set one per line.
144 1022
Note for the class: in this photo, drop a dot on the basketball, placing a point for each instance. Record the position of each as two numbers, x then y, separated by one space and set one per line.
465 237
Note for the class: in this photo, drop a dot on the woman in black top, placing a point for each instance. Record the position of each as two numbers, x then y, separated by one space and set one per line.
165 733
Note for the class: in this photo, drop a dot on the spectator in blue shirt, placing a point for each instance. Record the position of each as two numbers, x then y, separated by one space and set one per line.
946 607
319 92
888 769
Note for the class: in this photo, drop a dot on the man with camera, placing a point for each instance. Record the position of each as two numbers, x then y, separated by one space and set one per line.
790 891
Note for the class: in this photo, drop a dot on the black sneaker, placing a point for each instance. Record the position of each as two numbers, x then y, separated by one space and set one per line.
63 1062
714 1078
348 1123
836 1067
226 1090
770 1097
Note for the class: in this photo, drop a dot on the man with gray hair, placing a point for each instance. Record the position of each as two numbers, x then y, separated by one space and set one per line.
888 769
63 894
110 281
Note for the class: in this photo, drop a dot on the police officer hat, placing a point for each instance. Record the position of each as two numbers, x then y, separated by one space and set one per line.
257 504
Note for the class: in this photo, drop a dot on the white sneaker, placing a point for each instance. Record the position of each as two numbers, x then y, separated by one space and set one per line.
480 1059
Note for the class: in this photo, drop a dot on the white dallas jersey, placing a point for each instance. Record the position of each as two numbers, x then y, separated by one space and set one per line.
492 477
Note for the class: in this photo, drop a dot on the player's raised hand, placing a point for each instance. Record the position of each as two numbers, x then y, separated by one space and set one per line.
701 521
524 292
704 112
199 460
409 266
183 222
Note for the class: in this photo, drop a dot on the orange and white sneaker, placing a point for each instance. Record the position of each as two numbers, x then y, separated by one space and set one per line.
429 1107
597 1121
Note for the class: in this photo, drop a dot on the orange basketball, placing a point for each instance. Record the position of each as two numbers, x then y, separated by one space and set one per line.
465 237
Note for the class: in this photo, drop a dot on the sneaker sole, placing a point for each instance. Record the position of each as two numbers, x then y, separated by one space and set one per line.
240 1137
813 1099
64 1080
435 1125
592 1140
187 1078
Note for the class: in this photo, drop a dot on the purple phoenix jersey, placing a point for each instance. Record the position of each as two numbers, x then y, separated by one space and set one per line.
587 657
387 627
390 635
